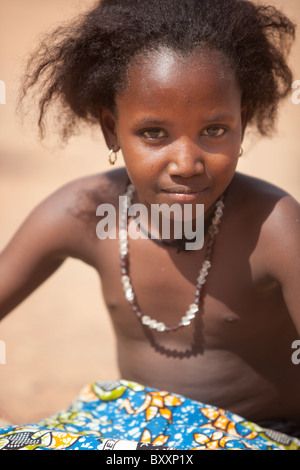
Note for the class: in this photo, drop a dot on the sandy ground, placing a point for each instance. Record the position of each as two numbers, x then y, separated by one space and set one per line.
60 338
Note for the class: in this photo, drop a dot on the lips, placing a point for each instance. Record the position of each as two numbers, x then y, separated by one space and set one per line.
184 194
183 190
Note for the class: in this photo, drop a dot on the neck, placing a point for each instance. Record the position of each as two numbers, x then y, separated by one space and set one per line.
173 231
201 279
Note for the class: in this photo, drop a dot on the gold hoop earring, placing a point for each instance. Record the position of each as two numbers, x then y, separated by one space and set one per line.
113 156
241 152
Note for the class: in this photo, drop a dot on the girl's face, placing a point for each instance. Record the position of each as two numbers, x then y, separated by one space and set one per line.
179 125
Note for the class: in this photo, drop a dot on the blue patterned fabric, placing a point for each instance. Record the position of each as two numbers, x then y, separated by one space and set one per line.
126 415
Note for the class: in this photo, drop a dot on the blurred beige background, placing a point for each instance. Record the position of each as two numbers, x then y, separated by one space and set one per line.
60 338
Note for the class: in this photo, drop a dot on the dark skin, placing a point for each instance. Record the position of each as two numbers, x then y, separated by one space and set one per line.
183 130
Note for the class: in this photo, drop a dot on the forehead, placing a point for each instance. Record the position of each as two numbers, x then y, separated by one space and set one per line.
165 75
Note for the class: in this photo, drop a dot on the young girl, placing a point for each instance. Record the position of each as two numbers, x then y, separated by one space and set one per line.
174 86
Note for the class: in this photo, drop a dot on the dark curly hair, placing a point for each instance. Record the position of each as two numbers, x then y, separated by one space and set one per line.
82 66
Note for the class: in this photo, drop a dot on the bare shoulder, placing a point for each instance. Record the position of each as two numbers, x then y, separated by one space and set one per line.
271 217
86 193
275 216
61 226
58 225
265 202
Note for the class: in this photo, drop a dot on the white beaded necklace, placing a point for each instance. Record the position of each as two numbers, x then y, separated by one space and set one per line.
126 281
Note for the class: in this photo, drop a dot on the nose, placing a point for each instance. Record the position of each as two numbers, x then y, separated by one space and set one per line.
186 159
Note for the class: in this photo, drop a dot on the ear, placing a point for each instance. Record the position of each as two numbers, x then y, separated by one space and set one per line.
108 123
244 118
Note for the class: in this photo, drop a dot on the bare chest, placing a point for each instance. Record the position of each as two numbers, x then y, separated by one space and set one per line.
237 347
232 303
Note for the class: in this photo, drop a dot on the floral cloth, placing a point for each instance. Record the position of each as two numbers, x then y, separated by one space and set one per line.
127 415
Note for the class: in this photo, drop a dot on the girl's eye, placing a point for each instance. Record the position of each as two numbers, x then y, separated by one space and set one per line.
153 134
214 131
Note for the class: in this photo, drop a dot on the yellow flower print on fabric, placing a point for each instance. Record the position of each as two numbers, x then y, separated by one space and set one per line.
112 390
147 438
155 403
218 440
31 439
223 433
283 441
222 422
64 419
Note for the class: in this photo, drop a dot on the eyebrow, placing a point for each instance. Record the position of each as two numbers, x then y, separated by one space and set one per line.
220 117
148 120
161 122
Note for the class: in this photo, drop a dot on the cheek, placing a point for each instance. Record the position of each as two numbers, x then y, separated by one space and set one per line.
139 168
143 160
225 155
222 164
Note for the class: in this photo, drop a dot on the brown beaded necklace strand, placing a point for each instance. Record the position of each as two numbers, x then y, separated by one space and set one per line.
126 281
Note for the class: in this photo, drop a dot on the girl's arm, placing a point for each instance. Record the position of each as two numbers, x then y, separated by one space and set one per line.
47 237
283 253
